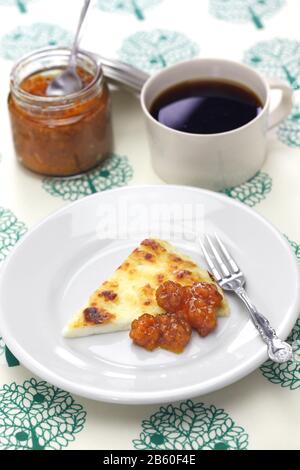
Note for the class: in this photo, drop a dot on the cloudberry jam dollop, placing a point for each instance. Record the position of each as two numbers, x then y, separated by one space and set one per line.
187 308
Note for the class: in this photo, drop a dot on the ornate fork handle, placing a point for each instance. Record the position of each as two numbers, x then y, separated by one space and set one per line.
279 351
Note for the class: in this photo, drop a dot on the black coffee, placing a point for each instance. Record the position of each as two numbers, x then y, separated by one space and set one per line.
206 107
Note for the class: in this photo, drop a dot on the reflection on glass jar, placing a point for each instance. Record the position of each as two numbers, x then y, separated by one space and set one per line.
59 136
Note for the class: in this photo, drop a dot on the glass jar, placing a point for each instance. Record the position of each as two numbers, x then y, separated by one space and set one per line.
59 136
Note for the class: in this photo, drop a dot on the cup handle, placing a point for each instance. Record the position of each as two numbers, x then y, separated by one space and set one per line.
285 105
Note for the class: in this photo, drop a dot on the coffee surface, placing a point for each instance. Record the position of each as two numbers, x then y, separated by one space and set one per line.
206 106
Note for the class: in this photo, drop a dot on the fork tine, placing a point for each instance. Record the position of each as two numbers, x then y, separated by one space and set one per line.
209 261
218 258
226 255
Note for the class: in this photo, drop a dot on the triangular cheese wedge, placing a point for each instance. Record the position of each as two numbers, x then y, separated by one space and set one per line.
131 290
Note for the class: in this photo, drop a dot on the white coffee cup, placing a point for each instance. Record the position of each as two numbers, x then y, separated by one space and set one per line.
213 161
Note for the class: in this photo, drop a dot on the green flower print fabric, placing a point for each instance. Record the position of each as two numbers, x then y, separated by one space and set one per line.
278 58
27 38
11 230
113 173
288 374
191 426
156 49
21 5
253 191
289 131
134 7
6 356
296 247
243 11
38 416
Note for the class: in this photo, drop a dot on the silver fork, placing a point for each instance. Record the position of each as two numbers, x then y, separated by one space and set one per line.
230 278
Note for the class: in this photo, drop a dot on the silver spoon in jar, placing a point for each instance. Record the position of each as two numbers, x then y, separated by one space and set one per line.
69 81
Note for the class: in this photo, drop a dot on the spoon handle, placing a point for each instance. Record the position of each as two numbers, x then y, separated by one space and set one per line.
122 73
83 13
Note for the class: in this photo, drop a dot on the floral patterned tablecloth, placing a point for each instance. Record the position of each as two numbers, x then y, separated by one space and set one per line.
262 410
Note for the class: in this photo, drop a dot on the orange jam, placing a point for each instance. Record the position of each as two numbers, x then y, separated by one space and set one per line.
187 308
37 84
60 136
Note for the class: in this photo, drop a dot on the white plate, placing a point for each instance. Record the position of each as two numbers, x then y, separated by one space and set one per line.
61 261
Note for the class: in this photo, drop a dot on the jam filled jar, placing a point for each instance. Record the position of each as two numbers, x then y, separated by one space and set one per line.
59 136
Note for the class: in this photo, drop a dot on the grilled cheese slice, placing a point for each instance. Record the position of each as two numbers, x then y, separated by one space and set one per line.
131 289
